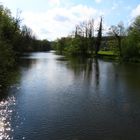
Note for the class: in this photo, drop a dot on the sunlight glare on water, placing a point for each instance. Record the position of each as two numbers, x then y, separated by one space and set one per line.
5 118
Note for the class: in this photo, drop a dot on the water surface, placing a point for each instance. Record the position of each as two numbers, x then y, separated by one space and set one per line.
75 99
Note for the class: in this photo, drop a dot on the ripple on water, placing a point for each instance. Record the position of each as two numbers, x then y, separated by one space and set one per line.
5 118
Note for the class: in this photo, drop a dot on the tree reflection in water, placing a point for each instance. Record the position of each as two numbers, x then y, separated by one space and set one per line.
85 68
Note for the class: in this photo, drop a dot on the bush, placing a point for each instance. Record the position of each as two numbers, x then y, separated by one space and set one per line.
7 57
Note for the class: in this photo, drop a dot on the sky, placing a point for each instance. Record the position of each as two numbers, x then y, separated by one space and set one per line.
52 19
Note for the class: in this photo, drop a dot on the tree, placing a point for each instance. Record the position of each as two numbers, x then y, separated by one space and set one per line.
91 35
6 35
81 41
99 38
119 32
15 40
131 44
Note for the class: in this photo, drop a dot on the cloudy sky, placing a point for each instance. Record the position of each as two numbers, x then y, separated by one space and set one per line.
51 19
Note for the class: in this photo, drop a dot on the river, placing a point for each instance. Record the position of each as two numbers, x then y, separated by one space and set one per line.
54 98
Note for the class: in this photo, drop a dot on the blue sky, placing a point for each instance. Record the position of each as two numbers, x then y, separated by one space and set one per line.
52 19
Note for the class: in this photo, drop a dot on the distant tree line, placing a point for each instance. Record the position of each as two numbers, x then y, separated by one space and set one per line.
124 43
15 40
82 41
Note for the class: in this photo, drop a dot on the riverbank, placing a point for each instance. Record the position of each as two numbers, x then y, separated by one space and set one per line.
105 55
110 55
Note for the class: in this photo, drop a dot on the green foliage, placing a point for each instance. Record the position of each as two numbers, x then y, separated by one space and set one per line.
74 47
131 44
112 44
118 32
15 40
60 45
123 44
6 56
82 42
7 61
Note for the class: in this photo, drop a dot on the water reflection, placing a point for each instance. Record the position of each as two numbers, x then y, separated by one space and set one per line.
87 69
97 71
75 98
132 77
8 77
81 67
6 109
26 63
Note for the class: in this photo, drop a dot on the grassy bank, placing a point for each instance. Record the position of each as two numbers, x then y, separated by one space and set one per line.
108 55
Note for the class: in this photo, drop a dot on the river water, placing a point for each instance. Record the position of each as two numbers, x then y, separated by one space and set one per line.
54 98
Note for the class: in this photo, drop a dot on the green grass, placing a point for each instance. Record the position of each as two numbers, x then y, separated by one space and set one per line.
106 53
110 55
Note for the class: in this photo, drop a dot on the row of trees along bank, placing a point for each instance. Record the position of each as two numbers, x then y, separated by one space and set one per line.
82 40
119 42
15 40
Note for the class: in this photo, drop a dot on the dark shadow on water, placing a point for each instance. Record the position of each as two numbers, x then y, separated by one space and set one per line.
8 79
27 63
80 65
97 71
88 68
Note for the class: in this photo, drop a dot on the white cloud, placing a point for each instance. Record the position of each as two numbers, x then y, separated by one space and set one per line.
58 21
135 12
54 2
